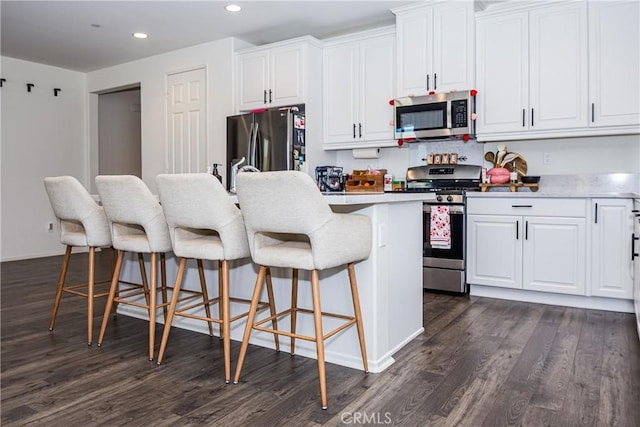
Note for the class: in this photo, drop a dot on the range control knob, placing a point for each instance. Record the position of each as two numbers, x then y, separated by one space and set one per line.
449 198
439 198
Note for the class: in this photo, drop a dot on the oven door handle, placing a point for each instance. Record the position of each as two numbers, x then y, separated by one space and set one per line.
453 210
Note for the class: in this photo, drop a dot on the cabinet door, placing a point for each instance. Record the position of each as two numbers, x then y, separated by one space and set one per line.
286 76
453 36
377 81
414 50
340 93
614 63
611 266
558 67
253 68
502 73
554 256
494 250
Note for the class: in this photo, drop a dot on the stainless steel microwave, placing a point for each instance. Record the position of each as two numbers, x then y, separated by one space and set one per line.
440 115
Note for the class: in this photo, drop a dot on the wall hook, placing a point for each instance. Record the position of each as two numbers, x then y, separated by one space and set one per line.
2 82
29 86
56 90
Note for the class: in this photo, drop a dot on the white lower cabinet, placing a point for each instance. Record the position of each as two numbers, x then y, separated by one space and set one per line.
525 243
611 233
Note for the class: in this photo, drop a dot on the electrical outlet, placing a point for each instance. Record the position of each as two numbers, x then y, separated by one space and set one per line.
546 158
50 227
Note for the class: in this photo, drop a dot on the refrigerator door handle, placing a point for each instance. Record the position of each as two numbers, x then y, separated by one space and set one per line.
252 146
289 138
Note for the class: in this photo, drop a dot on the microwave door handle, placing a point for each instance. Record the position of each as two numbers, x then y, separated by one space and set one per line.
449 115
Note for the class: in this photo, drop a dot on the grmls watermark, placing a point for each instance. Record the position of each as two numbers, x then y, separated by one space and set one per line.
372 418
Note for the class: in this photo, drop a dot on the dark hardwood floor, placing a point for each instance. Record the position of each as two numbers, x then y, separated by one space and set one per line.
480 362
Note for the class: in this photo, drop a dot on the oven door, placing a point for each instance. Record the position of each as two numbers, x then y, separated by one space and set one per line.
452 258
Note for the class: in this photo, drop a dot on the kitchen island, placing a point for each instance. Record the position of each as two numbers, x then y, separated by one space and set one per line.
389 284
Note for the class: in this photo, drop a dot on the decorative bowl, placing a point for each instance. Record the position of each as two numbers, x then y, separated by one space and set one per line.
528 179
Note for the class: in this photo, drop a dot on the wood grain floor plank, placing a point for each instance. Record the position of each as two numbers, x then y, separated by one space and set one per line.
480 361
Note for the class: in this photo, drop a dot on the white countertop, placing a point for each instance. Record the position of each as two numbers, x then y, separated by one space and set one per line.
552 194
343 198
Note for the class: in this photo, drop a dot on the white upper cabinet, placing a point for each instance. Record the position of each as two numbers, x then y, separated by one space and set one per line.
558 69
532 69
359 79
614 68
273 76
434 47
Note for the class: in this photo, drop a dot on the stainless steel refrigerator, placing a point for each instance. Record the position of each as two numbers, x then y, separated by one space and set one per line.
268 140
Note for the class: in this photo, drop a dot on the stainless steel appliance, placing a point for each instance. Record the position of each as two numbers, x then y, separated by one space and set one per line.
265 140
444 265
635 257
440 115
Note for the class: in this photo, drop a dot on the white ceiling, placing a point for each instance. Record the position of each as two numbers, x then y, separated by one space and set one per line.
64 33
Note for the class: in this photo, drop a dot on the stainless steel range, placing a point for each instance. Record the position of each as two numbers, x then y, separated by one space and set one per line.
444 223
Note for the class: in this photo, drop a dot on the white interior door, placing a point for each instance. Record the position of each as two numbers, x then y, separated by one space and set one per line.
186 122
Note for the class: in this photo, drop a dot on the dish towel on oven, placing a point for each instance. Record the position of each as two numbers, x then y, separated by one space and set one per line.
440 233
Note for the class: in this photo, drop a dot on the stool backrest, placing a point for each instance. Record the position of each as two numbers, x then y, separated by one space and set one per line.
281 202
131 208
199 201
77 213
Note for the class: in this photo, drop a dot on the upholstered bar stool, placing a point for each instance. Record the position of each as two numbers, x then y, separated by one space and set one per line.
82 224
137 225
204 224
290 225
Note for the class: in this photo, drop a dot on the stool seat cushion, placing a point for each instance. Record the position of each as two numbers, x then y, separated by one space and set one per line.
82 221
137 221
204 223
289 224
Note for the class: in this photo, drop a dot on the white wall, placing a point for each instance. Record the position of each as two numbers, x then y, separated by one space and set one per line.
42 135
119 133
594 155
150 73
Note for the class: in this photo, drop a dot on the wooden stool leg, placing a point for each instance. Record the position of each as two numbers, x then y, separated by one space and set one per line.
112 294
143 278
358 314
226 330
220 305
294 308
152 303
61 279
317 320
251 316
163 275
205 295
172 308
90 288
272 309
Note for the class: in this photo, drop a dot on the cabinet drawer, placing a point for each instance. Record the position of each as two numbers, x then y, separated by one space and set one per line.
527 206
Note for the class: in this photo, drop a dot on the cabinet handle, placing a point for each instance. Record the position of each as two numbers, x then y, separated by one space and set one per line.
523 115
521 206
360 130
264 96
270 96
517 230
526 230
596 214
532 117
427 81
354 131
635 211
593 112
435 81
633 246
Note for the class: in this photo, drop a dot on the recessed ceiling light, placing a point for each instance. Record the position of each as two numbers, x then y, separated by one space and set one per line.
140 35
233 8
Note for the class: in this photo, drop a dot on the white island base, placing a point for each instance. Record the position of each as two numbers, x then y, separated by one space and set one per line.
389 284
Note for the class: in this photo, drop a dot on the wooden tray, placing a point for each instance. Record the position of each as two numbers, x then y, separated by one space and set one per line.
513 187
362 181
